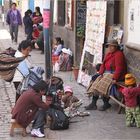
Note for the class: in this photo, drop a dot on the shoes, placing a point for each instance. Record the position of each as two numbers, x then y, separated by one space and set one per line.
91 107
37 133
104 107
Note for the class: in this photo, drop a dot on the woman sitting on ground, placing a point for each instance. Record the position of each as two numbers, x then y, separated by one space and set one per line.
57 47
114 63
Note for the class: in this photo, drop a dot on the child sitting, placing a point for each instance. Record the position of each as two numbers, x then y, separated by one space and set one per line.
68 99
130 95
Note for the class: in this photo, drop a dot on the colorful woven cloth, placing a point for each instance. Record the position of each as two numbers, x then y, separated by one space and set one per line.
101 84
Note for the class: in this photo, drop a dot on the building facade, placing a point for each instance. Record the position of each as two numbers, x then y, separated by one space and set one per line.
131 36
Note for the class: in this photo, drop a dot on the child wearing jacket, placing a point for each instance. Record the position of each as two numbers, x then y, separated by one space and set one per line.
68 99
131 93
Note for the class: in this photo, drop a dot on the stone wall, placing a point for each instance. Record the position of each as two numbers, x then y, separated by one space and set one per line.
133 61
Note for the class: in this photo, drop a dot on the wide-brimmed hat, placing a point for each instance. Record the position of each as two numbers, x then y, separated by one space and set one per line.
67 51
130 80
112 42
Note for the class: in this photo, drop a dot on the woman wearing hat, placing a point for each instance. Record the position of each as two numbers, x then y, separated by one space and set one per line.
114 62
131 92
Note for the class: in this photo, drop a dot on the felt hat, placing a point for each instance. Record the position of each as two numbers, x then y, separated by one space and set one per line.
112 42
130 80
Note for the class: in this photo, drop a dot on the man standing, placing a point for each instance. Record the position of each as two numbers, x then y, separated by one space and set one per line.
14 20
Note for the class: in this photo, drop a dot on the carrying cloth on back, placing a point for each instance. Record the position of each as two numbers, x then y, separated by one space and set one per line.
101 84
8 65
35 75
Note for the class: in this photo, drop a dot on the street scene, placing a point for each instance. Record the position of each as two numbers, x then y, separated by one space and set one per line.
69 69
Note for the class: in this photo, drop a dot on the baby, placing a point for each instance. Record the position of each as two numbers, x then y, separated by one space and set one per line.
68 99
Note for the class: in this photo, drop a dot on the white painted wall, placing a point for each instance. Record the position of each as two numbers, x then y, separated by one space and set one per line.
40 4
24 7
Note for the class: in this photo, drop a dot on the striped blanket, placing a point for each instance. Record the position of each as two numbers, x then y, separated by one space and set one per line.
8 65
101 84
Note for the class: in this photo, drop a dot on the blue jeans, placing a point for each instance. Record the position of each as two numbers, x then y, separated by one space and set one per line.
14 32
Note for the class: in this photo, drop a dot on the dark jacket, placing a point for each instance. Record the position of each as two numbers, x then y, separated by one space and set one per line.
27 106
28 23
9 18
116 63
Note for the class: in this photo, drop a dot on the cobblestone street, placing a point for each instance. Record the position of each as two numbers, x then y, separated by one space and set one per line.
99 125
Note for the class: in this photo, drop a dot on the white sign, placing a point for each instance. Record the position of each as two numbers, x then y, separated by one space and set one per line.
134 21
95 31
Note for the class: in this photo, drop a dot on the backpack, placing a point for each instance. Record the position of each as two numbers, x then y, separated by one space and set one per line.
59 121
56 84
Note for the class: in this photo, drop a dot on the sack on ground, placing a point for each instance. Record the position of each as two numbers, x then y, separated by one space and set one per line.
59 121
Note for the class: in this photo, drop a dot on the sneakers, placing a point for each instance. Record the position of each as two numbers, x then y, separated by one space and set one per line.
37 133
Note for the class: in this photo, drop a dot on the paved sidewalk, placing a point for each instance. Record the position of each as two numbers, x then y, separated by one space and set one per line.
106 125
